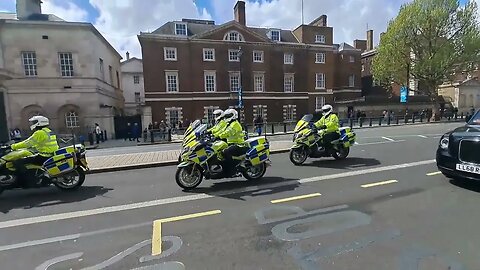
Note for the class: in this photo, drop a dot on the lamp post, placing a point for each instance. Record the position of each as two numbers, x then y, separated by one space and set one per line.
240 86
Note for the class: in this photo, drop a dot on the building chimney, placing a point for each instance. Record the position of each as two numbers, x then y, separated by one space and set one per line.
128 56
239 12
360 44
323 20
369 40
26 8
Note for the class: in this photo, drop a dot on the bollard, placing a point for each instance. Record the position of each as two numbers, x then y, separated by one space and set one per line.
370 124
388 121
273 129
397 120
413 119
360 122
455 116
169 134
284 127
351 123
461 115
421 118
448 118
104 136
90 138
152 137
406 119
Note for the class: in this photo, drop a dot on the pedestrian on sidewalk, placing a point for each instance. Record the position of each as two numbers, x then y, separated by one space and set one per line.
98 132
258 122
136 132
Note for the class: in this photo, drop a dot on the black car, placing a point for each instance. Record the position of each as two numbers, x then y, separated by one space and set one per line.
458 154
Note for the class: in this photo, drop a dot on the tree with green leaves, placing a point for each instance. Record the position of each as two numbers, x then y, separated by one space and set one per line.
430 41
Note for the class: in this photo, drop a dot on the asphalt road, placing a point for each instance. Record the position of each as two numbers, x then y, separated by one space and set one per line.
385 207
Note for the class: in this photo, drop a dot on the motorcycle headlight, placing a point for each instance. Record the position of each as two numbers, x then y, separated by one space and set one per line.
444 141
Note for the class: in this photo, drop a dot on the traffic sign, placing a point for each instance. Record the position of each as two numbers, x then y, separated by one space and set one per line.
403 94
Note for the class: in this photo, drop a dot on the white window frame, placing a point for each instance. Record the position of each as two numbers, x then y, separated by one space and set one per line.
237 36
208 51
136 79
183 32
233 59
351 59
320 58
257 56
260 110
290 113
319 38
319 103
167 53
320 81
258 85
232 77
290 78
65 62
71 119
178 117
29 61
288 56
169 89
351 80
209 116
208 88
272 36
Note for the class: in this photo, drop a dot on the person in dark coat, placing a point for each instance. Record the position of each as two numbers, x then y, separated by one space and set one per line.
136 132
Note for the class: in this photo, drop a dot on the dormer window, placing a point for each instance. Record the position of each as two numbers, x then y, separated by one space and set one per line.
319 39
181 29
274 35
233 36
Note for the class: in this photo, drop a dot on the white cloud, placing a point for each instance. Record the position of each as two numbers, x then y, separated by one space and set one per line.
349 18
67 11
122 20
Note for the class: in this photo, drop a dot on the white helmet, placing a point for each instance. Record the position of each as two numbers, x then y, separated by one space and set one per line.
327 109
38 121
218 114
231 115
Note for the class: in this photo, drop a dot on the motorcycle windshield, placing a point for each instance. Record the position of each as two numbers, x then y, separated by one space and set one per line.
303 123
200 129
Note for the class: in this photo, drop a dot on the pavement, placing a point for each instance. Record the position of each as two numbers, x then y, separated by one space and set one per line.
385 207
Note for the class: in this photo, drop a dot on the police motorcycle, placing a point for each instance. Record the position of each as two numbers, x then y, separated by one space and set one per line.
189 136
203 158
65 169
309 143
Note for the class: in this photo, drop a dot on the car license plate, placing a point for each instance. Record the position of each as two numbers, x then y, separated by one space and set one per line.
468 168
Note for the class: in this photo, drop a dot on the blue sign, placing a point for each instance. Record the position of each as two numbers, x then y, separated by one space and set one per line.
403 94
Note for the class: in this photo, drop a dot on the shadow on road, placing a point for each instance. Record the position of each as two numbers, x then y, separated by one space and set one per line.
47 197
471 185
349 163
241 189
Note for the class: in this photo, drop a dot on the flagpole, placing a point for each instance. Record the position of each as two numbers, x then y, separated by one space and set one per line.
302 14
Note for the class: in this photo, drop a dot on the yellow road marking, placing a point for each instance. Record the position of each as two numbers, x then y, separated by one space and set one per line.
296 198
157 228
379 183
433 173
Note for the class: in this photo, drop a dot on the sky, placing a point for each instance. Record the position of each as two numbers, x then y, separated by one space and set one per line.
120 21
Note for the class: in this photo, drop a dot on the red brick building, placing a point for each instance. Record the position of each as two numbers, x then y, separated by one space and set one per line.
192 67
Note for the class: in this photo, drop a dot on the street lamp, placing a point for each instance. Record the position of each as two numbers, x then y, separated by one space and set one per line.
240 90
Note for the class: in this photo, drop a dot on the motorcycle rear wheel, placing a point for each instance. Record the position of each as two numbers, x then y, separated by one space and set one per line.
70 184
189 177
341 153
298 156
253 173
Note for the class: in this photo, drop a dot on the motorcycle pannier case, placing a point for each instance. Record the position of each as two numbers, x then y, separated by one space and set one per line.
259 150
62 162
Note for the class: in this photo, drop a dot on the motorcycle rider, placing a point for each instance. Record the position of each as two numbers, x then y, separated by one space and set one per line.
43 141
220 122
235 137
329 123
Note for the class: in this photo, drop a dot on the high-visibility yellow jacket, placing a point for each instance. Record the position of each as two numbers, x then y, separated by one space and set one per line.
233 133
219 127
43 141
330 121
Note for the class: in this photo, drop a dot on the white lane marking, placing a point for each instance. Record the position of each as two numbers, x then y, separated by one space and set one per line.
422 136
118 208
388 139
374 143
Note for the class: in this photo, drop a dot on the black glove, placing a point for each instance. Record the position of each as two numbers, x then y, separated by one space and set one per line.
323 127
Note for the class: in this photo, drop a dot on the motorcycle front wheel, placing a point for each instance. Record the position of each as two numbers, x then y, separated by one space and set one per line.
298 155
71 181
189 177
255 172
